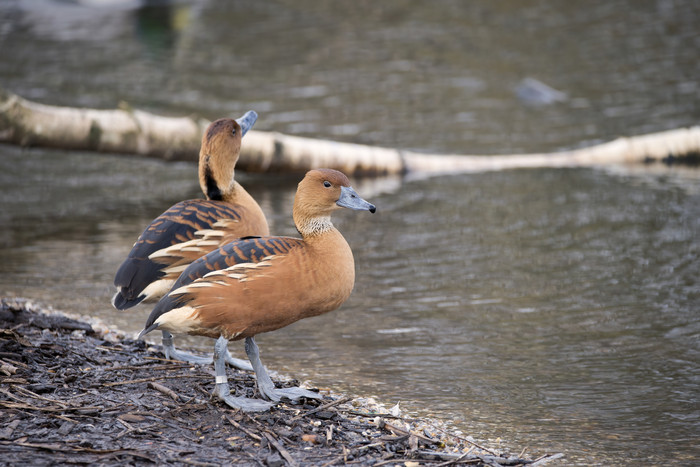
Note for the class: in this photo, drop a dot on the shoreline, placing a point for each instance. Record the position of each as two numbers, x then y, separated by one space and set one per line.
75 390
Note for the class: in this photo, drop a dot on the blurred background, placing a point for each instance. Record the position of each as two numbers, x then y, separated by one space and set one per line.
552 308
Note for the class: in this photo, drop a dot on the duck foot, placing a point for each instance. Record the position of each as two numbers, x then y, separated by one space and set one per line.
173 354
245 404
222 389
266 386
294 394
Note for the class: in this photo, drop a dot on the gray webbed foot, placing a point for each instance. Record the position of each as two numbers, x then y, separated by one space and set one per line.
173 354
294 394
222 389
266 386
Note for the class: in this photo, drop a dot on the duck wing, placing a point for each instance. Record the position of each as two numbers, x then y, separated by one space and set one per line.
177 225
243 256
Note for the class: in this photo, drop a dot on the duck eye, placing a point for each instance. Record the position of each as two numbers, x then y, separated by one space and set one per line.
233 132
327 184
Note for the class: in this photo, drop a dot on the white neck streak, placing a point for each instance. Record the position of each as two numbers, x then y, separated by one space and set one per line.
315 226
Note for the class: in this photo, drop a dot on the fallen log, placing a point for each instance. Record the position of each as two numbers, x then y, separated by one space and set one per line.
132 131
122 130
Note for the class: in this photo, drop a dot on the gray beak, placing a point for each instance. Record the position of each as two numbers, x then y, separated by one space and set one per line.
351 200
247 121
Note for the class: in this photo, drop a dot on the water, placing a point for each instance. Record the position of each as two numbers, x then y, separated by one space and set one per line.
555 309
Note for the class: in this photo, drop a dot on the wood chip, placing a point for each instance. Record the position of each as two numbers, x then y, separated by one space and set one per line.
132 417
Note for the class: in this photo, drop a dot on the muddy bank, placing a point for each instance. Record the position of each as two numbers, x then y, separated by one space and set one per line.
74 393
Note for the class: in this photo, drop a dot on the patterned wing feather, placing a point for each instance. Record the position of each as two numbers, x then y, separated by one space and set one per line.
250 251
176 225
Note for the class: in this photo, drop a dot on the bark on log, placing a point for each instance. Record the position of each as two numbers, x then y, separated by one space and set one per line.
122 130
140 133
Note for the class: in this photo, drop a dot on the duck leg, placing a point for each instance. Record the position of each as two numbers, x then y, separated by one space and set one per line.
172 354
266 386
222 390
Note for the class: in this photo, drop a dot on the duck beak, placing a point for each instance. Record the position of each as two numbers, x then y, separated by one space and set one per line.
247 121
351 200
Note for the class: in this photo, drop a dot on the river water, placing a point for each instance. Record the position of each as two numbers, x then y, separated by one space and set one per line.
557 309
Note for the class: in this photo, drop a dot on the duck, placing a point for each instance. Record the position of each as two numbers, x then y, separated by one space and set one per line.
257 285
194 227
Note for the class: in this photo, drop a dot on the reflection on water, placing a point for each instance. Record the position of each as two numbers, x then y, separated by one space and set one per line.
552 308
397 73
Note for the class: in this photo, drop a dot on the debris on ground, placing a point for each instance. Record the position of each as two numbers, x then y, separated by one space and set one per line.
74 394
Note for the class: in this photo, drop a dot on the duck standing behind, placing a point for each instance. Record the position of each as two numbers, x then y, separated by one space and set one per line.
261 284
192 228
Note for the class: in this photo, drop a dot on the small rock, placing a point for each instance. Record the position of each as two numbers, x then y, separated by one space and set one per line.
325 414
274 460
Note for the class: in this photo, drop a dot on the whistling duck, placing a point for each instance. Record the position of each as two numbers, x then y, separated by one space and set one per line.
192 228
258 285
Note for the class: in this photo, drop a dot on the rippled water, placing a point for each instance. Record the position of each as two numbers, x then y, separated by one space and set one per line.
555 309
439 77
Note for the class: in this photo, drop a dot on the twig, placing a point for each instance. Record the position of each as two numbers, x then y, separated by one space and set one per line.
260 425
281 449
172 360
14 362
372 445
378 414
109 349
197 463
323 407
464 439
61 447
333 461
12 396
243 429
399 461
270 437
488 459
546 459
167 391
141 367
460 459
25 406
128 430
147 380
131 453
29 393
7 368
161 359
381 423
96 363
64 418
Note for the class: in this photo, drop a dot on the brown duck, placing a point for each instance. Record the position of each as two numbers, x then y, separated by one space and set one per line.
192 228
258 285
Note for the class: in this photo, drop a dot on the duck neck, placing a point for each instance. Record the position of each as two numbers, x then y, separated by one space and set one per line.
235 194
313 227
212 185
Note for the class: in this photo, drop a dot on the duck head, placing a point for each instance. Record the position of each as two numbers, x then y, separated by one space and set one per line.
221 146
321 192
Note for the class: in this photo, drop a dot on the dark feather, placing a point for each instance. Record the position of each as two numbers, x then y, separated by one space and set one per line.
213 191
177 224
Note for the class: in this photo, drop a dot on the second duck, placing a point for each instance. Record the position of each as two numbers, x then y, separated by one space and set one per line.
194 227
